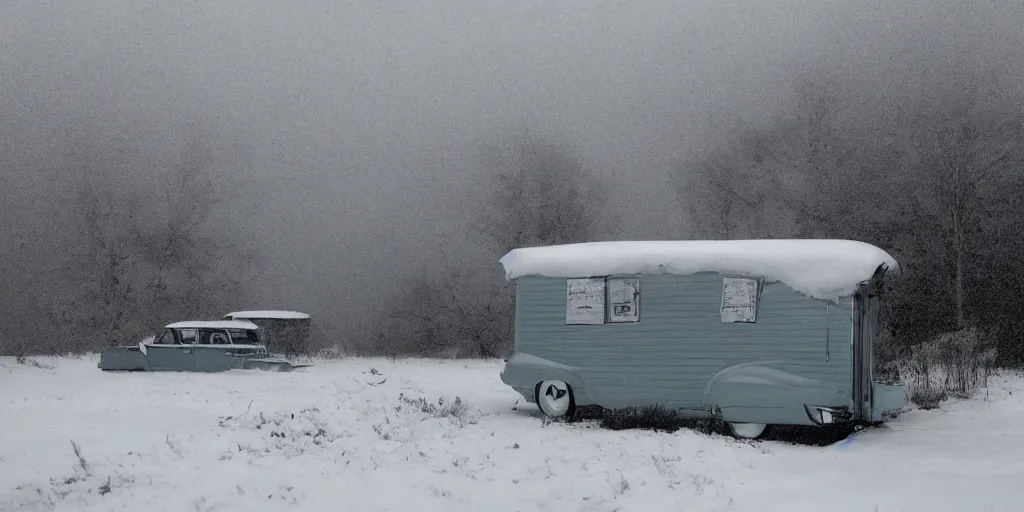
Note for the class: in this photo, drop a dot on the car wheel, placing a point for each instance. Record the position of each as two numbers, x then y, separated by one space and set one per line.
747 430
555 399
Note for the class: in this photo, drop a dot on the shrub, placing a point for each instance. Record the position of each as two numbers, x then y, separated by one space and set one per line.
926 397
953 364
888 358
457 410
657 418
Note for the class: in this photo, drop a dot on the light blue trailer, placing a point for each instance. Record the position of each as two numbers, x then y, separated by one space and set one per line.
754 332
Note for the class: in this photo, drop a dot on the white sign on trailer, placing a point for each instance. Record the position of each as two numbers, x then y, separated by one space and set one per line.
624 295
584 303
739 300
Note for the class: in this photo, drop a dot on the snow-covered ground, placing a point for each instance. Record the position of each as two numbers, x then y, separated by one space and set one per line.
353 435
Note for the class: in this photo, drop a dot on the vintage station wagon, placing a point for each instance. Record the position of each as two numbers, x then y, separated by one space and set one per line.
202 346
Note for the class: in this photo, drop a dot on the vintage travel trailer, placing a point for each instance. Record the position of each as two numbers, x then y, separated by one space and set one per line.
754 332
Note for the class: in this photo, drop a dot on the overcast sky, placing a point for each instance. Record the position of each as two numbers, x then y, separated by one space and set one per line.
354 123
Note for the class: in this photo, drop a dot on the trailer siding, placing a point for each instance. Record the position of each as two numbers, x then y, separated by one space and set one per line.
680 342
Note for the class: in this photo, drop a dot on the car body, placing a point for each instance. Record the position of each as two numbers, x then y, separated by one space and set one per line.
200 346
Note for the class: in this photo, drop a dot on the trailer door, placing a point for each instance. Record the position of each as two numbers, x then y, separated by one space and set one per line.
866 328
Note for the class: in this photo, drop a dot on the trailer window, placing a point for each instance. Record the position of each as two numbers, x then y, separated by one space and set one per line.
739 300
624 299
584 301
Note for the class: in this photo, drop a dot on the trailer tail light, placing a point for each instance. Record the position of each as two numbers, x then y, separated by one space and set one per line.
824 415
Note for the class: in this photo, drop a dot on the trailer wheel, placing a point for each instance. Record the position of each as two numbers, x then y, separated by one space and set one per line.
555 399
747 430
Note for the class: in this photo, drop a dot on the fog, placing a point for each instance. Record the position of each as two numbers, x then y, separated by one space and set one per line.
348 133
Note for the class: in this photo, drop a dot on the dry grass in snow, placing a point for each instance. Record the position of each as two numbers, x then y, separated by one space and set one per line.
375 435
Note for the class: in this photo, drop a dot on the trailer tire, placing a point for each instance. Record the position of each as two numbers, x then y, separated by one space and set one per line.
555 399
747 430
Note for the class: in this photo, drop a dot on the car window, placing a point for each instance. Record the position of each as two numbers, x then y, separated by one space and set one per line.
165 338
213 337
188 336
243 337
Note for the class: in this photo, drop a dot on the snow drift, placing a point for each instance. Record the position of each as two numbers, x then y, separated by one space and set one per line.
822 269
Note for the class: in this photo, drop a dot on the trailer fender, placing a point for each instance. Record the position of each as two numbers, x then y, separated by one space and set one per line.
524 371
765 392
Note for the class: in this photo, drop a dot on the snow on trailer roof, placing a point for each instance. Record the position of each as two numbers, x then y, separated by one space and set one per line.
272 315
214 324
822 269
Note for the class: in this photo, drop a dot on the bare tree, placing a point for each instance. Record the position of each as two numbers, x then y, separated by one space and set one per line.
102 269
189 271
967 151
928 178
451 314
98 305
540 194
129 259
536 194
